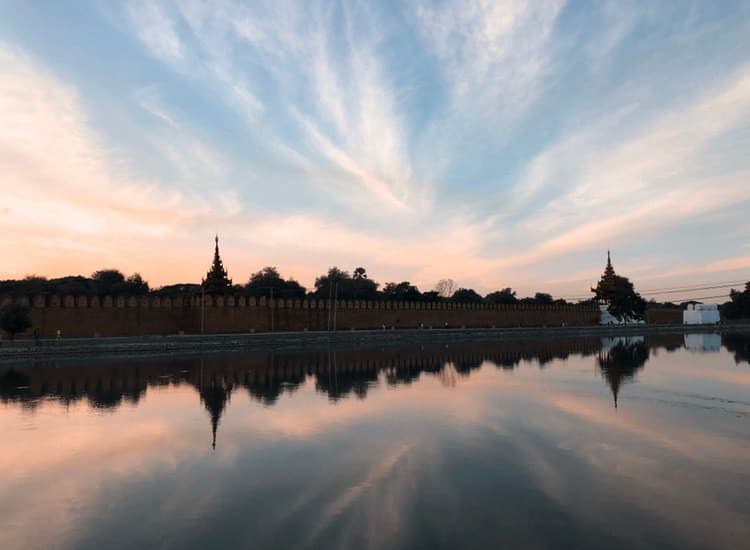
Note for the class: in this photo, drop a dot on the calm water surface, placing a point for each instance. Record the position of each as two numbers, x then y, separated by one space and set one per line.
549 444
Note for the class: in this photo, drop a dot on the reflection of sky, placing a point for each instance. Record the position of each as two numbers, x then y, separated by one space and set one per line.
497 457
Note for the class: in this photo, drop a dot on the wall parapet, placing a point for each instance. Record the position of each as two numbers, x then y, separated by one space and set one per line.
41 301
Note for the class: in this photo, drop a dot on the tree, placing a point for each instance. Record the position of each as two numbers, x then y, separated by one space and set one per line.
624 303
107 280
268 280
363 288
445 288
739 305
14 319
504 296
543 298
466 295
337 282
136 285
401 291
334 282
113 283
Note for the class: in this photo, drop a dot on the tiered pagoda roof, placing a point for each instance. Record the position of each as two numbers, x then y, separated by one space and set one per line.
217 280
608 283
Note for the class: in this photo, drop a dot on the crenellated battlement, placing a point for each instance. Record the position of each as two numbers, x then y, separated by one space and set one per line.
230 301
86 316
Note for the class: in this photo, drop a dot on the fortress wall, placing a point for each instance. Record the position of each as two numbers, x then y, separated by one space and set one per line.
661 316
145 315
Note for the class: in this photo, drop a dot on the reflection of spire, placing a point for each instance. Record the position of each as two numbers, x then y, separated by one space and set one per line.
215 396
214 426
620 363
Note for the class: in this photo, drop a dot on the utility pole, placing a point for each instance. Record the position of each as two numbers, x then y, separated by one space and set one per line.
330 294
203 308
335 305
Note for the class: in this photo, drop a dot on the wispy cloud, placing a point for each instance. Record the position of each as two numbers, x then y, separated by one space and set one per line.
156 29
498 143
491 50
61 185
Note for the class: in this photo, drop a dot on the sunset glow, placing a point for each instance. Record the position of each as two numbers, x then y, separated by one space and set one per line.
497 143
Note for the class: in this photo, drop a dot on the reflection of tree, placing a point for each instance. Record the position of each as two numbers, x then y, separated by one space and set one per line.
739 344
13 385
448 376
620 363
267 387
338 384
338 375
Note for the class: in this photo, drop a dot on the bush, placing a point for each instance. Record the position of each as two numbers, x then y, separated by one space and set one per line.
14 319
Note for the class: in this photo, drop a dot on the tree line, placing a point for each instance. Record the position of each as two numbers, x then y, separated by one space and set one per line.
334 283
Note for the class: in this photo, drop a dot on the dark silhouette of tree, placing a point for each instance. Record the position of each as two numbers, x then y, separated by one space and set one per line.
543 298
401 291
739 305
108 279
324 285
268 280
178 290
362 287
136 285
539 298
466 295
111 282
431 296
624 302
504 296
14 319
339 283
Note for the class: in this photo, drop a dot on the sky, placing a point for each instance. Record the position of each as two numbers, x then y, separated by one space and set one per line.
497 143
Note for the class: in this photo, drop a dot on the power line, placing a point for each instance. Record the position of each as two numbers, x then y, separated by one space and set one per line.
693 287
686 289
699 298
675 290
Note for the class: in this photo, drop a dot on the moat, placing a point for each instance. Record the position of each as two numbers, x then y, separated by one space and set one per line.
618 442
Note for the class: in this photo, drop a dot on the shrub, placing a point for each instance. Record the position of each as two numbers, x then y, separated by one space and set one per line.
14 319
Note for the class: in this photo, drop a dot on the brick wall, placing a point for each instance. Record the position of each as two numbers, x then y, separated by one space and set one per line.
84 316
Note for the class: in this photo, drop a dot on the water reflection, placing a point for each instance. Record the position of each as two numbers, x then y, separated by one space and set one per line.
620 358
739 344
430 447
337 374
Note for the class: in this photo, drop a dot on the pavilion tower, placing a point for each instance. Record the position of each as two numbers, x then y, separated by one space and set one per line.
608 283
217 280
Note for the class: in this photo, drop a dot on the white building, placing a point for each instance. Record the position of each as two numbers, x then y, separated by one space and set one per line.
701 314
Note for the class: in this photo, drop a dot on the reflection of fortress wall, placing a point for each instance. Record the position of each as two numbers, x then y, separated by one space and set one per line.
91 316
267 376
